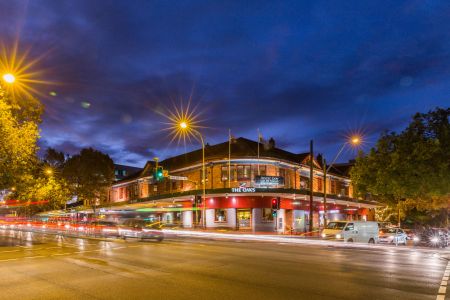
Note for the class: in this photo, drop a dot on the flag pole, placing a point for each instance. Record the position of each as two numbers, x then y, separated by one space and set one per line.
229 158
259 137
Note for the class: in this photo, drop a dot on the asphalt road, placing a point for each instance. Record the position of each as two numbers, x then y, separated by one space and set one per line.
35 266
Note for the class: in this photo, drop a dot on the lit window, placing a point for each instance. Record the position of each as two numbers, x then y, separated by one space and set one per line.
243 172
220 215
267 215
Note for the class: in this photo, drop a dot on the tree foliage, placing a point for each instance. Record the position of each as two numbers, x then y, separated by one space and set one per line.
90 173
410 169
18 142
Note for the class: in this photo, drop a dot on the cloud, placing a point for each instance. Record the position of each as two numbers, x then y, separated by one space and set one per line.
297 71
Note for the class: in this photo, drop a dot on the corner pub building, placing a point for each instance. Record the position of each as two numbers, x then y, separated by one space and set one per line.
243 177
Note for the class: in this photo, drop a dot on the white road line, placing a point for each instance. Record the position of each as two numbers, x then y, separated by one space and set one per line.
9 259
37 256
443 287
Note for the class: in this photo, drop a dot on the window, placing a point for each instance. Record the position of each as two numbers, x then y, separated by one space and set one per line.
262 170
220 215
267 215
174 185
120 193
304 182
349 227
224 173
116 172
333 186
243 172
319 184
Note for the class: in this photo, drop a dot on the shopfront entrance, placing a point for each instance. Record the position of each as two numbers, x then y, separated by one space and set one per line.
244 218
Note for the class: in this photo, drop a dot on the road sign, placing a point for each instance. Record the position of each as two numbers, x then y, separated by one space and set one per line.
177 177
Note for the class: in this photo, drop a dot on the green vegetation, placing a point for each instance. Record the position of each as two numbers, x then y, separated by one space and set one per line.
409 172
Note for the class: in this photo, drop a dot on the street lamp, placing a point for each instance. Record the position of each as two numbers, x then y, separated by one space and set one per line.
48 171
9 78
184 126
353 141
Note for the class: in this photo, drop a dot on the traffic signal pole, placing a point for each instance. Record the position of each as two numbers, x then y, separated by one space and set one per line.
311 185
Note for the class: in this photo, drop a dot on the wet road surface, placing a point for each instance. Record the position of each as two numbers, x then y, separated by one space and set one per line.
36 266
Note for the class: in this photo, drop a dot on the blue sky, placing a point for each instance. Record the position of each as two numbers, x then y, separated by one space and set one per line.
296 70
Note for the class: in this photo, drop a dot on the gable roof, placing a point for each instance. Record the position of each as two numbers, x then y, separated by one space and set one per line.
240 147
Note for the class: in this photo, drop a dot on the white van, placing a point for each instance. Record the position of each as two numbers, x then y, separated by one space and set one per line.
352 231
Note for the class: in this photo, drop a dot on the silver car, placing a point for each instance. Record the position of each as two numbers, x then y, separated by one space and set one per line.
393 236
141 229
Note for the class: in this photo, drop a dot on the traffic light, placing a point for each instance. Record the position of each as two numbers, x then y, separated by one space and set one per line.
159 174
274 204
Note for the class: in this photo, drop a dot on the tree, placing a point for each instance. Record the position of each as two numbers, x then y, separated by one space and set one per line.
55 159
40 193
89 173
410 170
18 141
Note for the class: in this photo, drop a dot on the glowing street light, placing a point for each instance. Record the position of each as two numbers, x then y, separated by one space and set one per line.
9 78
186 129
48 172
354 141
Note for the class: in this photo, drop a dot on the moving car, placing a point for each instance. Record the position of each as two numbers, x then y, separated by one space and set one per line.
104 228
352 231
432 237
393 236
334 230
141 229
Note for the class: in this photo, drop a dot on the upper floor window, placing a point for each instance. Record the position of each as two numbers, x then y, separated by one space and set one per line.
319 184
304 182
226 171
333 186
243 172
259 171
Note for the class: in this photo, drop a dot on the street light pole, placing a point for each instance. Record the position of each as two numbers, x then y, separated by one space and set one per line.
311 185
203 176
354 141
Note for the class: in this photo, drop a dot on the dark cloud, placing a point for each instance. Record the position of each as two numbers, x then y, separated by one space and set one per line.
294 70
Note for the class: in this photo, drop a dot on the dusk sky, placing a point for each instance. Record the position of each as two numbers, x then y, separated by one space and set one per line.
297 70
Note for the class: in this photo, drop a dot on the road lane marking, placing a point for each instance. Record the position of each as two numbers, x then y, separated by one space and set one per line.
37 256
9 259
443 287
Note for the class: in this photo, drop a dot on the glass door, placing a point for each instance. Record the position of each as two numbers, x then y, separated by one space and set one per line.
244 218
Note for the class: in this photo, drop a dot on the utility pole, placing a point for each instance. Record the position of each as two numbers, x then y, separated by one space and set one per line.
324 163
311 185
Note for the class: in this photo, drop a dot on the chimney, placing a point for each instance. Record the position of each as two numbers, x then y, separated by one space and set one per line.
271 143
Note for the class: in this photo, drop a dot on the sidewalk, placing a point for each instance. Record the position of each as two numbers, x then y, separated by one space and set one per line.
314 234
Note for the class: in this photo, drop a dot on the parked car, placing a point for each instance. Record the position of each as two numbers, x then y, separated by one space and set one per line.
352 231
432 237
393 236
141 229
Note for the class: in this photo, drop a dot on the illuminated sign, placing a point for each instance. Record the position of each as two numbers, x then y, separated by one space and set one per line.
269 180
243 189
